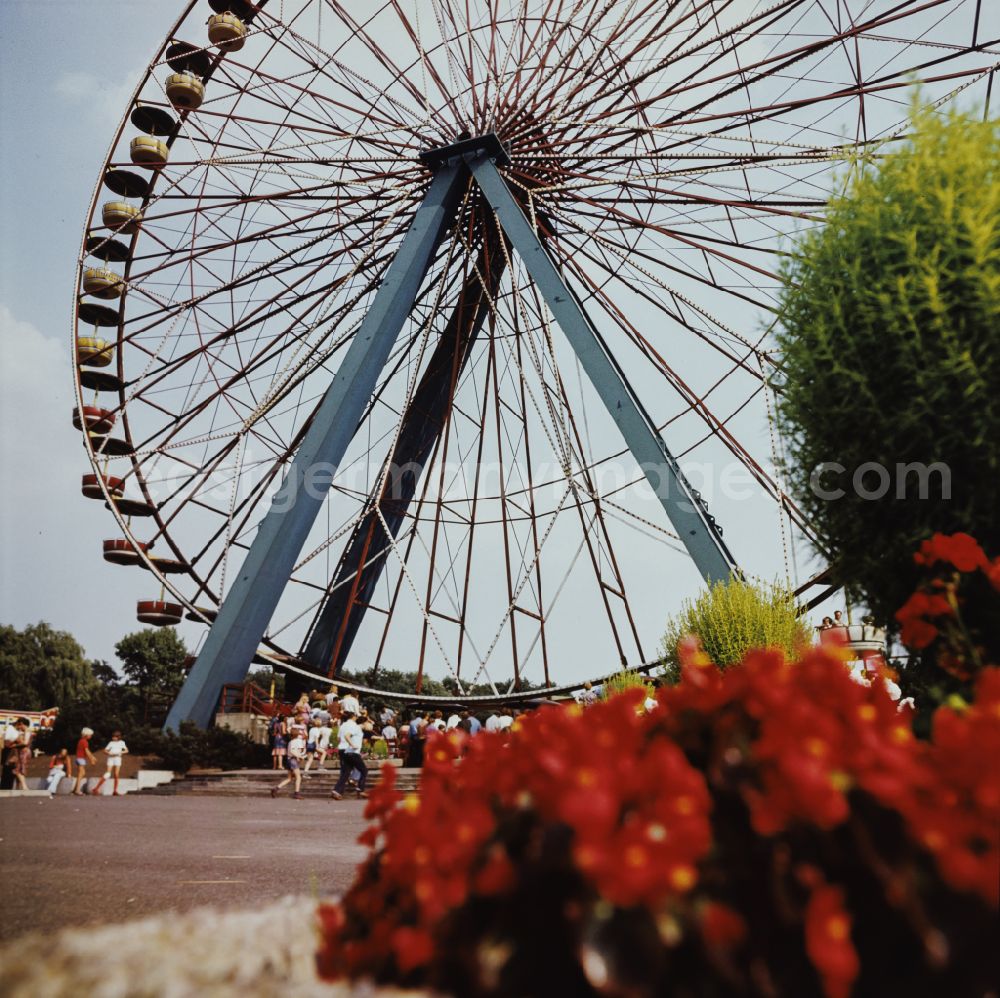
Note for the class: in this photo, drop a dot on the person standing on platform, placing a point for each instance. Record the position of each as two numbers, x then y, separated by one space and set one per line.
349 750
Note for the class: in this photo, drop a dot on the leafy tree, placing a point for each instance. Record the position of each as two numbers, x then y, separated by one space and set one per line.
264 676
153 661
105 674
889 323
394 681
732 617
41 667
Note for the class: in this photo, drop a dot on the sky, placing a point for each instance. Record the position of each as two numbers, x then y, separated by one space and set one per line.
67 73
65 86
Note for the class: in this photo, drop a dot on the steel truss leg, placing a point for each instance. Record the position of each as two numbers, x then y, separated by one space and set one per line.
247 609
684 508
366 553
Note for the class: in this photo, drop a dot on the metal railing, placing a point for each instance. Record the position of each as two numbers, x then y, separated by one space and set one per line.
249 698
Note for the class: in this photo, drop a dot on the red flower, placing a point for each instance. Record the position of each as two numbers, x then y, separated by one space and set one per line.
828 941
721 926
916 631
992 571
412 948
960 550
384 797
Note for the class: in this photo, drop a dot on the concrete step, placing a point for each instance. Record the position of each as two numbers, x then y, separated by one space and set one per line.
256 783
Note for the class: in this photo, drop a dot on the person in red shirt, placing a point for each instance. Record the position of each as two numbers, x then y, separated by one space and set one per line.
84 757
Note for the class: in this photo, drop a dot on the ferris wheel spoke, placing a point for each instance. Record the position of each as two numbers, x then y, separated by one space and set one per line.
715 333
695 403
370 96
270 309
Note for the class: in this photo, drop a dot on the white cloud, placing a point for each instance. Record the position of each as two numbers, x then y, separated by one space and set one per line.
104 100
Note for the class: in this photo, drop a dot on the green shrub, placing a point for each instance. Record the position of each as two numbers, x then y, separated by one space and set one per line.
733 616
216 748
888 334
627 679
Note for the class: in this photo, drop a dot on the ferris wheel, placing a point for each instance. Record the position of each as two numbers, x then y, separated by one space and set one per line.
400 325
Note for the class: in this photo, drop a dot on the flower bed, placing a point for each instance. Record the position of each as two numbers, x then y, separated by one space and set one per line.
775 829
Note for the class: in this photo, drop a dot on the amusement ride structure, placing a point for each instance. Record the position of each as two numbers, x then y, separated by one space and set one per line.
397 321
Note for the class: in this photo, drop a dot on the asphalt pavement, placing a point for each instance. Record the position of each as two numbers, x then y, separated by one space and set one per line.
84 861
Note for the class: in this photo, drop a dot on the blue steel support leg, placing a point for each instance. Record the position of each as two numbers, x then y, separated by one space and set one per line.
687 513
247 609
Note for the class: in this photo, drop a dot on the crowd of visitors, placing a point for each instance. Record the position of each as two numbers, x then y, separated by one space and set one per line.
322 725
18 750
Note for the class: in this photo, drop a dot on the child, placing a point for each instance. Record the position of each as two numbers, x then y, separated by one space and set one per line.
83 757
296 757
317 744
114 750
280 748
311 735
60 766
323 736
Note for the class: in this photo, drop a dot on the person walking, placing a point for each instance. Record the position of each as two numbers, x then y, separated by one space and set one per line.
322 733
84 757
349 749
296 758
114 750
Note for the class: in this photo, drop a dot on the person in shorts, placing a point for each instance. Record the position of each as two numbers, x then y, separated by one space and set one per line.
84 757
320 736
115 750
293 763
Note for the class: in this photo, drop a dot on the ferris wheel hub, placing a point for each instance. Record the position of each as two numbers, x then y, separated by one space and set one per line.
488 144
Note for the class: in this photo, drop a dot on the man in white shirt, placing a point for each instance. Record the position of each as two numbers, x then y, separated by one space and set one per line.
454 721
493 723
506 719
349 750
349 704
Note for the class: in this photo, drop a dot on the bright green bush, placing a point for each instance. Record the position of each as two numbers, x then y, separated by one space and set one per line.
889 340
627 679
733 616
